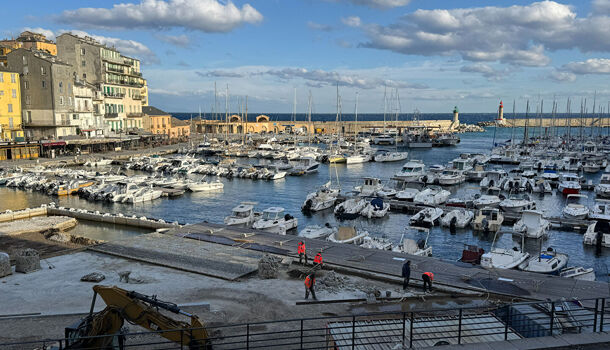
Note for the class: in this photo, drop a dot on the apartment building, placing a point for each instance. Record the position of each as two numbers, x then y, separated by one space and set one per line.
10 106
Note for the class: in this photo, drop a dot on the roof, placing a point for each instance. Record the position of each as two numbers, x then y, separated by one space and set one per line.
150 110
178 122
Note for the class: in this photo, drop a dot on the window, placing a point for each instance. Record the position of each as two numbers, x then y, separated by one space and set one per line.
1 93
26 84
25 60
43 70
84 76
14 93
44 84
13 78
10 108
28 99
29 117
61 87
10 122
83 63
74 116
26 70
61 100
82 51
1 78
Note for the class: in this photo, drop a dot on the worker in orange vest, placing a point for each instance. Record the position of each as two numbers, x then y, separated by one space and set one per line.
310 281
302 252
427 277
317 260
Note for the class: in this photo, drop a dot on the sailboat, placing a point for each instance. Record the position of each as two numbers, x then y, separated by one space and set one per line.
392 156
357 156
335 155
501 258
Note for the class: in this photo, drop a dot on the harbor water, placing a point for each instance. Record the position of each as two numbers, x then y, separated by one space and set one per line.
290 193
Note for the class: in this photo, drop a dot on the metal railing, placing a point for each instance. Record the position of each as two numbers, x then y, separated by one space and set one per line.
418 328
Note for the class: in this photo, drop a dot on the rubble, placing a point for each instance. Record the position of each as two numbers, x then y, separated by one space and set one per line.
5 265
332 282
27 260
268 266
93 277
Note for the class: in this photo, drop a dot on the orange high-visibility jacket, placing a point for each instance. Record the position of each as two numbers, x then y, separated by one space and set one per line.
308 282
318 259
301 248
429 274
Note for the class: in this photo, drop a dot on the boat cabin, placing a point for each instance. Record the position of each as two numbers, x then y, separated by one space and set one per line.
273 213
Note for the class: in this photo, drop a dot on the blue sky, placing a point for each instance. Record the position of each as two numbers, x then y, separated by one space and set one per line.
437 54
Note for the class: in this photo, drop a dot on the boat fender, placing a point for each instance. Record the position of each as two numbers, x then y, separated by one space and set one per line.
452 223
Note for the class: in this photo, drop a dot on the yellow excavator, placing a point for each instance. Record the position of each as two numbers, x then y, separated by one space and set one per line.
103 329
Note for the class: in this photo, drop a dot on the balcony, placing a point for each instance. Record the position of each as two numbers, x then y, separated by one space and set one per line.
138 97
111 115
114 95
135 115
115 70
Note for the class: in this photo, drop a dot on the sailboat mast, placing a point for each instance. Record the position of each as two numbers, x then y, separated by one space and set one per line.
227 114
356 120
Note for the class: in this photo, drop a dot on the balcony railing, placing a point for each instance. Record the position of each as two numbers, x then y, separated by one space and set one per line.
114 94
116 70
111 115
136 97
135 115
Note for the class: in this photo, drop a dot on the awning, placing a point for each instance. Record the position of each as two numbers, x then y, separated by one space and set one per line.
54 143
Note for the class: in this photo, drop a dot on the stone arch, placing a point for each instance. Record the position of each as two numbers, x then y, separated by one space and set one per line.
239 129
264 128
275 130
235 118
250 129
262 118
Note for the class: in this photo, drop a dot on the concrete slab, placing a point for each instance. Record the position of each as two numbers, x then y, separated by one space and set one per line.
209 259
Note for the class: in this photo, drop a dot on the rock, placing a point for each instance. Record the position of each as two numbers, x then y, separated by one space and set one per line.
124 276
27 260
268 266
93 277
5 265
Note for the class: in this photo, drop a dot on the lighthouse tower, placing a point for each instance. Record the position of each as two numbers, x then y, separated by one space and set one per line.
456 114
500 119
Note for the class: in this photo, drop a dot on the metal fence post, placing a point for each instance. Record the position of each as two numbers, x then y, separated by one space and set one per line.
460 328
507 322
552 317
595 315
404 326
301 334
601 319
411 331
248 336
353 332
181 339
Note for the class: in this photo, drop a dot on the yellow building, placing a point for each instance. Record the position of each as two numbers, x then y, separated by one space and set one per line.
7 46
10 106
28 40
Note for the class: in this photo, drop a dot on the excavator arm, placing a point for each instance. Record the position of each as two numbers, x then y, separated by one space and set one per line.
102 330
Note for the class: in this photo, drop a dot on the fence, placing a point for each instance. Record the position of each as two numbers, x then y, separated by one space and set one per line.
395 330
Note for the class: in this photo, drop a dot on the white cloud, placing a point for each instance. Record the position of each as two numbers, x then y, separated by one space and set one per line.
127 47
352 21
561 76
382 4
486 70
205 15
517 35
319 26
176 40
590 66
46 32
601 6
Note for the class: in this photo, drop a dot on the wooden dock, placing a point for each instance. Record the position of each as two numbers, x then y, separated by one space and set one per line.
512 283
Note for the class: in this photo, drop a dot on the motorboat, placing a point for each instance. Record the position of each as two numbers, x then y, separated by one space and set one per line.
380 243
532 224
451 177
458 218
515 204
578 273
548 262
513 184
410 246
316 231
573 209
602 190
388 156
472 254
322 199
144 194
376 208
337 158
203 185
348 235
501 258
274 220
591 167
486 200
98 162
413 170
477 174
598 234
488 219
432 195
370 187
358 158
409 192
600 211
350 208
384 139
242 214
569 184
426 217
542 186
305 165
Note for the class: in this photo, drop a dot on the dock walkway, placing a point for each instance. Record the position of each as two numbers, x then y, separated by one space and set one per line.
510 283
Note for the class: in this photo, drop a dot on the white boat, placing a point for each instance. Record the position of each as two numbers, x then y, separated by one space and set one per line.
598 234
591 167
501 258
350 209
601 210
569 184
488 219
274 220
413 170
305 165
316 231
542 186
451 177
410 246
458 218
370 186
370 242
387 156
347 235
409 192
602 189
242 214
199 186
432 195
578 273
548 262
322 199
486 200
358 158
376 208
532 225
573 209
426 217
517 203
384 139
145 194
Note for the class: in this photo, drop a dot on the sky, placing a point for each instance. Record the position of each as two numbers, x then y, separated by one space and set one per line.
428 55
